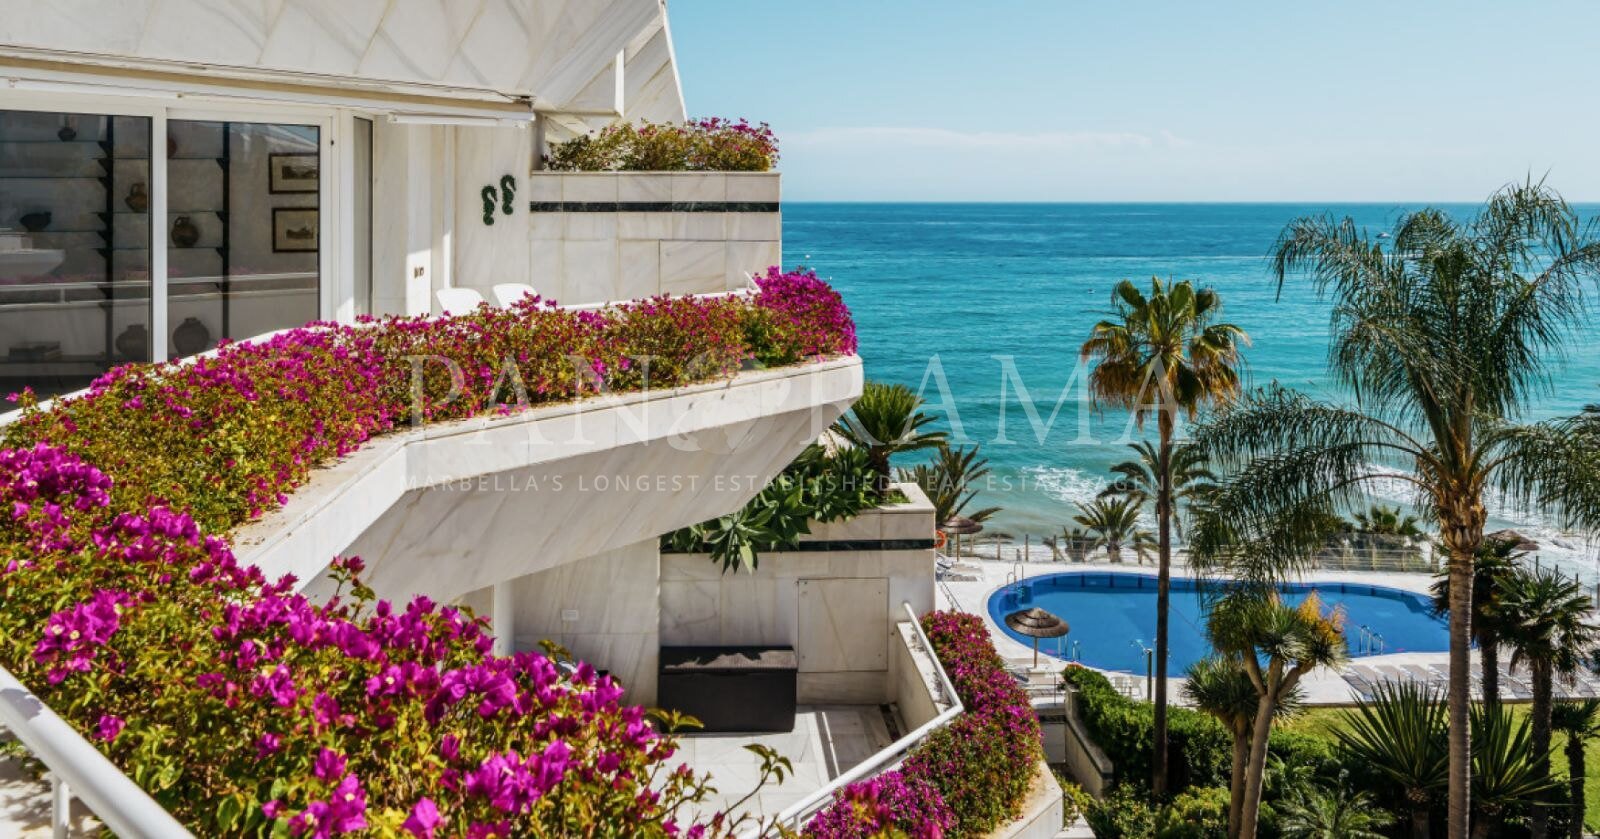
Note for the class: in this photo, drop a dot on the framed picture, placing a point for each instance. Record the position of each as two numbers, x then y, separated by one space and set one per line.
288 172
295 229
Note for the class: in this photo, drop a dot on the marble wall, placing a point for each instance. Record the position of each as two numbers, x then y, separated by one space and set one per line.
602 609
837 608
626 253
450 508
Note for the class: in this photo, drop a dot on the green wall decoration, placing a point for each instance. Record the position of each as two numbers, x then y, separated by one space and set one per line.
506 195
488 205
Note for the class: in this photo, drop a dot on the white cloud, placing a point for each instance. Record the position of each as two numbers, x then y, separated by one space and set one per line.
867 137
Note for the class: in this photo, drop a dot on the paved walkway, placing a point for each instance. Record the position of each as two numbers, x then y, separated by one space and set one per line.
25 803
826 742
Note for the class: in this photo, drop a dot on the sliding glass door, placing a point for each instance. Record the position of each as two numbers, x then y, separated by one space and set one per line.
243 230
75 244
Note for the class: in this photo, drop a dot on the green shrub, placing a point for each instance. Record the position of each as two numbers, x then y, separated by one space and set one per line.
1075 801
1125 813
1197 813
700 145
1200 750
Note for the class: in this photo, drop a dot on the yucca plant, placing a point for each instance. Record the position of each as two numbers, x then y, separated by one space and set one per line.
1221 688
1276 645
1505 769
886 421
1400 734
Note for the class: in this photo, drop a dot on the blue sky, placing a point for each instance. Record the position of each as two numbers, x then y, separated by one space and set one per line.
1104 100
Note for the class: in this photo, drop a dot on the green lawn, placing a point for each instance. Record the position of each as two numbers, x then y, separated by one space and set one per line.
1324 720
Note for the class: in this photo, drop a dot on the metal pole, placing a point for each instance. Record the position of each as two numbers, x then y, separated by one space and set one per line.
1149 673
60 807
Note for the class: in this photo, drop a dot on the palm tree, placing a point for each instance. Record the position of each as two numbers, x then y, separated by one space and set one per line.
1163 353
1276 645
1335 813
1075 542
949 482
1496 558
886 421
1383 520
1400 733
1579 719
1505 770
1442 337
1139 479
1112 524
1543 616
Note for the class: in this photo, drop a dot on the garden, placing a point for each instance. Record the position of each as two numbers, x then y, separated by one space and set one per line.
1443 329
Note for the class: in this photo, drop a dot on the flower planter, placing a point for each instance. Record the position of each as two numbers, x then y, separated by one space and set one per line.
624 235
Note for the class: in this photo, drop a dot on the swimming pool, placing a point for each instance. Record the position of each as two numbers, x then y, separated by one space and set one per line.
1113 617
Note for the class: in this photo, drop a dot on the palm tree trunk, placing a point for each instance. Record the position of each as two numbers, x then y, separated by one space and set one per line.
1543 679
1575 779
1460 698
1158 784
1489 655
1241 754
1420 828
1260 733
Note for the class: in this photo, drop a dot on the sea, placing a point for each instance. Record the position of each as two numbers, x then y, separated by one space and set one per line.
982 309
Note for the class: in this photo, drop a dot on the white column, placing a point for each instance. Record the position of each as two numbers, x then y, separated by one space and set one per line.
503 615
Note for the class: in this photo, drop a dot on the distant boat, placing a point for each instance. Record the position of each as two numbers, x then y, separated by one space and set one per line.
1383 235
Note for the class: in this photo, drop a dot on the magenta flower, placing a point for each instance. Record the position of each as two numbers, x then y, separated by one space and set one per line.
424 819
109 727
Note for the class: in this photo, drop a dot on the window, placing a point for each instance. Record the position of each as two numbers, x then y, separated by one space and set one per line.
74 247
243 230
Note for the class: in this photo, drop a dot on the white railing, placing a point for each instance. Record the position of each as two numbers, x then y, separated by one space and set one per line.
888 758
78 769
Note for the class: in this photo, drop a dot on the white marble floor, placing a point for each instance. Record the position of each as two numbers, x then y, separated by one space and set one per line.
826 742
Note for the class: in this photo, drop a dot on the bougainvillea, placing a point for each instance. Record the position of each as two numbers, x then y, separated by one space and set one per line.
245 708
964 779
876 806
711 145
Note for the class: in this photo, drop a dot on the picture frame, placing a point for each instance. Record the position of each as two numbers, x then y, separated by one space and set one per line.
296 230
289 173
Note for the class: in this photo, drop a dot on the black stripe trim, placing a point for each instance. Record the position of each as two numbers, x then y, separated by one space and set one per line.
653 206
830 545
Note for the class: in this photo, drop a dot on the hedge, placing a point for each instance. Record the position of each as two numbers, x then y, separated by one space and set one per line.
1199 748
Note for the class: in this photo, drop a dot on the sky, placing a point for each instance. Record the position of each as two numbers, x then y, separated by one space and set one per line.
1119 100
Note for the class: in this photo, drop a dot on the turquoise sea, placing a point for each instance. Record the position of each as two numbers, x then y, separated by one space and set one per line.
961 288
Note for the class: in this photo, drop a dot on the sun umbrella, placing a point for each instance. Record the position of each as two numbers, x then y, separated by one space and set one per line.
959 526
1036 623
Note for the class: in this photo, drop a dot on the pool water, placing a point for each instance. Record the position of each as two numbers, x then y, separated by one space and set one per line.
1113 617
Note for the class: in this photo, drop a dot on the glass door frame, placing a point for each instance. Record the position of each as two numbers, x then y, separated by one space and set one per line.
335 268
330 208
